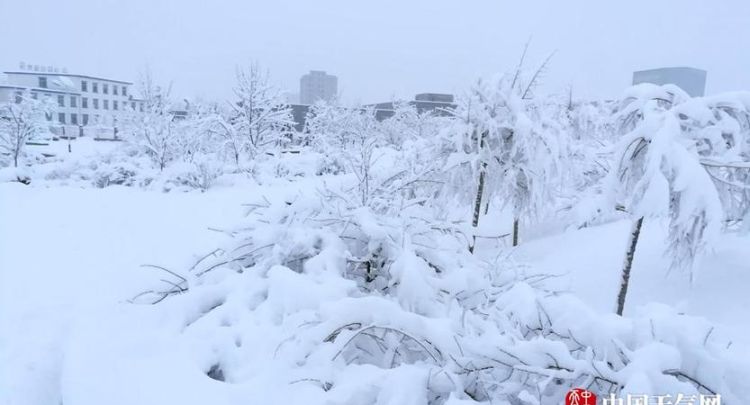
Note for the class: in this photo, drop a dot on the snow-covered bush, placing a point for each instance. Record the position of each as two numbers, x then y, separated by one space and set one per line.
340 302
121 174
200 174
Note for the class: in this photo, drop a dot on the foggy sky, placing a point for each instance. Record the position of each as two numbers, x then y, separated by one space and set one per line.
380 49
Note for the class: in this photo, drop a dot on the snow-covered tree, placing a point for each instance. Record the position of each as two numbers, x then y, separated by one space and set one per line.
259 112
332 125
511 149
153 130
657 171
192 137
214 123
407 123
402 125
22 119
720 127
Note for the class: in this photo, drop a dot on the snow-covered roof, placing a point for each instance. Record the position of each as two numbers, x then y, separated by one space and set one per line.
64 82
66 74
37 89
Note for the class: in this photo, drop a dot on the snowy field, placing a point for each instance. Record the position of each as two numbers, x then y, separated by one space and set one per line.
68 253
70 258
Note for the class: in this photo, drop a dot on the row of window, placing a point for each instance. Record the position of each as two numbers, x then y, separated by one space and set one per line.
94 87
105 88
85 103
74 119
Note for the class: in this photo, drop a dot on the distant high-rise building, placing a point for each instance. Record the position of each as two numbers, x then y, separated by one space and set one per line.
317 85
692 80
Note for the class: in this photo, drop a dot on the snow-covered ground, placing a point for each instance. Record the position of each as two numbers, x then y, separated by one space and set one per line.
68 252
588 260
71 255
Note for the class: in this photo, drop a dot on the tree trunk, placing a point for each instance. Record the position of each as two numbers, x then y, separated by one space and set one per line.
515 232
480 194
477 207
635 233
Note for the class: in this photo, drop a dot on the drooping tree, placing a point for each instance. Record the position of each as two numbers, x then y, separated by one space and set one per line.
511 149
658 170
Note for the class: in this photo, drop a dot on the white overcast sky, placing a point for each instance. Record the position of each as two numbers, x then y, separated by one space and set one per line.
380 49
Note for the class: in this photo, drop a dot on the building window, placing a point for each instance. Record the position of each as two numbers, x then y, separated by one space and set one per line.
114 90
106 104
84 102
84 85
43 82
105 88
141 107
132 105
34 95
61 118
19 97
96 103
85 119
95 87
74 119
60 101
114 104
124 91
73 101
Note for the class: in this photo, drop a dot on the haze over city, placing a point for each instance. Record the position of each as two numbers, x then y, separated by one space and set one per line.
380 49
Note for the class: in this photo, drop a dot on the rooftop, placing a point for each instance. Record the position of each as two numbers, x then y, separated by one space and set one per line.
65 75
38 89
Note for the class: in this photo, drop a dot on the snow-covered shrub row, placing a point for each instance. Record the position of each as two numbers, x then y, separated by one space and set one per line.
342 302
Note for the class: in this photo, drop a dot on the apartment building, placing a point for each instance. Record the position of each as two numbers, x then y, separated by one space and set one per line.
317 85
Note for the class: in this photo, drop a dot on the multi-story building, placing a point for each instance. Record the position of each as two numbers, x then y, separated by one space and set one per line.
85 104
317 85
692 80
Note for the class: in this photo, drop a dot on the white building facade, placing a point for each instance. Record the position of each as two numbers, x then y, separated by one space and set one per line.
86 105
317 85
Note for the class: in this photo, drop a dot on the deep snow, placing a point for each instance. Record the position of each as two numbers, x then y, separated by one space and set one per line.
66 253
70 258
